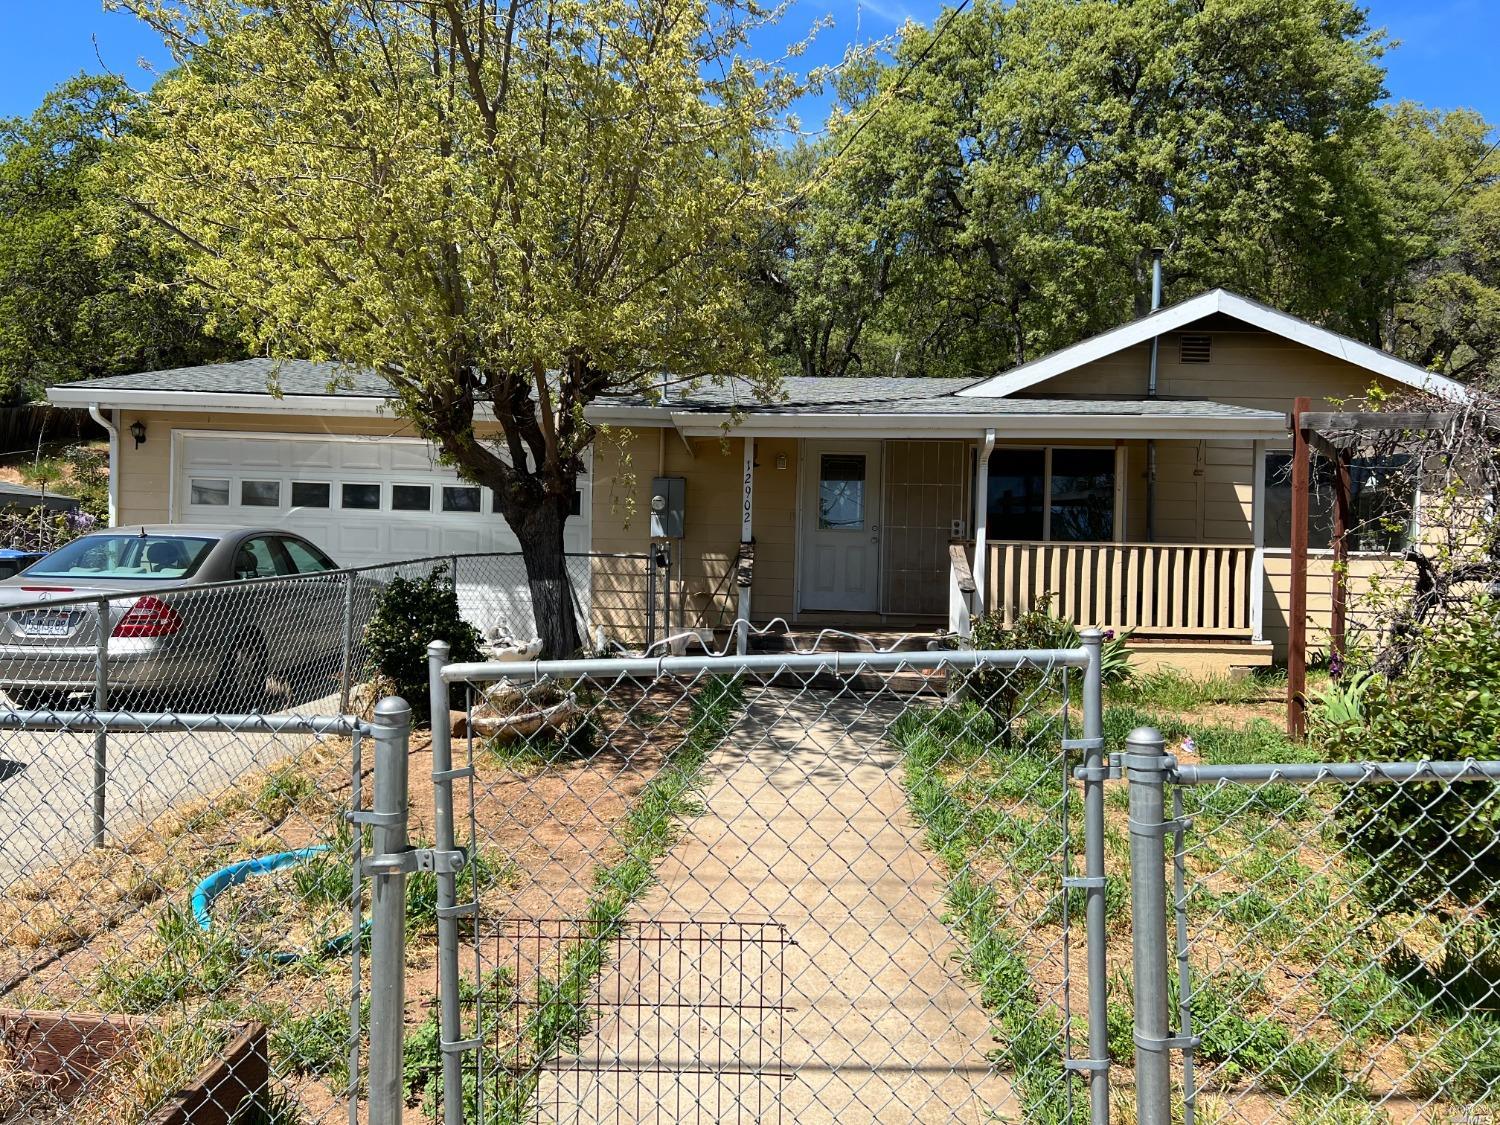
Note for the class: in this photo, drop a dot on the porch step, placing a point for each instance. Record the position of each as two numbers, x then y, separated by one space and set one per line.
853 640
844 639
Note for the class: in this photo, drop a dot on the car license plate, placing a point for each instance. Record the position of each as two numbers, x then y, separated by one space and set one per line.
46 622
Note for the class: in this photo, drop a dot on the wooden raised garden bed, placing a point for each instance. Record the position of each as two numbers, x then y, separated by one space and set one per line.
70 1051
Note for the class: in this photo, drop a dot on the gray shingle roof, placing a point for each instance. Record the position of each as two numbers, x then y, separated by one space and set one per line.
799 395
252 377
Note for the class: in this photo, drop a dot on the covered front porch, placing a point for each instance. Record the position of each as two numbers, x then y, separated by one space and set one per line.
1063 522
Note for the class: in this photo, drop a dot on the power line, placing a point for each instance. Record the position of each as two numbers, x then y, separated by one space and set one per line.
884 99
1469 175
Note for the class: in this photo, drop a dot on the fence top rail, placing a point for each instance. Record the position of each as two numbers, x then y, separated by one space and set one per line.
1348 773
179 588
167 721
812 663
1096 545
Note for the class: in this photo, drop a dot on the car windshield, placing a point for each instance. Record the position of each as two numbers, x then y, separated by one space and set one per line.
124 556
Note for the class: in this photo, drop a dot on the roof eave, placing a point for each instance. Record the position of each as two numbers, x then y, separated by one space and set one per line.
1261 426
1196 308
81 397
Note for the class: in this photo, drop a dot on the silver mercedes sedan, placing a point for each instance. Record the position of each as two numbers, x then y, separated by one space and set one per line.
172 610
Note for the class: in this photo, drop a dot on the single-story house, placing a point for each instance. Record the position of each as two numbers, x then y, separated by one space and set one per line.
1140 495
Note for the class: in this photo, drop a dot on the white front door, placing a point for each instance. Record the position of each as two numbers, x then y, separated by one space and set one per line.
841 526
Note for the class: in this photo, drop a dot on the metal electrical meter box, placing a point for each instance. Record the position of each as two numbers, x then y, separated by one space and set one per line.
668 507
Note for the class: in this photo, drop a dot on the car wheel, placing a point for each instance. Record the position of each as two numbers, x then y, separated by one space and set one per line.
244 672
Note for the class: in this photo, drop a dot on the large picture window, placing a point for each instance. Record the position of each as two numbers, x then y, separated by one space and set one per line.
1382 494
1058 494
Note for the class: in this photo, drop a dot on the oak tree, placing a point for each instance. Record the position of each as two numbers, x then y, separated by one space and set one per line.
508 208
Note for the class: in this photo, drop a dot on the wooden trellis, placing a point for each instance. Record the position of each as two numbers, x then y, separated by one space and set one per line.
1336 436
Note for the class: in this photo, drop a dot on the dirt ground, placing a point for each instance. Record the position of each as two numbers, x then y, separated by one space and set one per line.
541 828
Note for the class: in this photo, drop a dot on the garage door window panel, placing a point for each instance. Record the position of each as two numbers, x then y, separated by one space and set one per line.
208 492
260 493
460 498
411 497
364 497
311 494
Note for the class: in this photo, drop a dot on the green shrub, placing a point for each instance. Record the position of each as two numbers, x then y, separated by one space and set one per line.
414 612
1429 846
1001 690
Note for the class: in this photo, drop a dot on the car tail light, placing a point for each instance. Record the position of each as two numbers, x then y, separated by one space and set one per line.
149 617
47 589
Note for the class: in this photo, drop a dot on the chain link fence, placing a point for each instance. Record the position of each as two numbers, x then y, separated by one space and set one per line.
201 965
799 888
183 925
1333 939
808 887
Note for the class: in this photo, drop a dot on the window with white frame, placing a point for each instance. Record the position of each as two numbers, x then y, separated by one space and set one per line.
208 492
1061 494
1382 495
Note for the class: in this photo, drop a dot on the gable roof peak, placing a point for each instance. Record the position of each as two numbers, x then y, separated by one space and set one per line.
1169 318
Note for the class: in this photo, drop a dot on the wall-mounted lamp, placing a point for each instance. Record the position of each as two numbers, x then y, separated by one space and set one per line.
138 431
781 460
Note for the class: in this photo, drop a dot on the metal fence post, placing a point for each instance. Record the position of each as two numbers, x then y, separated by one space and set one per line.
391 728
346 665
101 705
1096 924
448 912
650 596
1147 762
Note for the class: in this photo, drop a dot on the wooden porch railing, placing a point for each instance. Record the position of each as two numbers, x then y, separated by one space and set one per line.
1153 589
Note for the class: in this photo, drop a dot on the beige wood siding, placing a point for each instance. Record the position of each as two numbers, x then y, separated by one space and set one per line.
711 469
1254 369
1363 570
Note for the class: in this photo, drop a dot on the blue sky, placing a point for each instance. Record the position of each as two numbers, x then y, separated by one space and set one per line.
1446 57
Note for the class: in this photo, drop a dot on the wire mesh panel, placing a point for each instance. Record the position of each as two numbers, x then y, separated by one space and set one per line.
901 822
1336 940
197 949
686 1024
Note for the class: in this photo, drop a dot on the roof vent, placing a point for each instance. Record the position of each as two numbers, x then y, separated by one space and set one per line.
1194 349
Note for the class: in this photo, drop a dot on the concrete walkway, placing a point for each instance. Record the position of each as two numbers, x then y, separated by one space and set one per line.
805 825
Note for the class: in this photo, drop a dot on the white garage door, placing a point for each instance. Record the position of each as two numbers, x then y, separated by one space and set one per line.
363 500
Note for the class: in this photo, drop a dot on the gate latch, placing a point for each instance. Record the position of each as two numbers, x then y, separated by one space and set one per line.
414 859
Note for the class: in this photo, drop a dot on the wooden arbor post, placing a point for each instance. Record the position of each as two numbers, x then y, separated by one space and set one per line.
1296 649
1342 517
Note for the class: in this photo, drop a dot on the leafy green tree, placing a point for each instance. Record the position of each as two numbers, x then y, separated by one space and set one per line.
84 291
1008 170
506 210
1431 291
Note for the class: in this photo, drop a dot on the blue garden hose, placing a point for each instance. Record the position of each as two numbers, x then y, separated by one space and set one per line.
207 891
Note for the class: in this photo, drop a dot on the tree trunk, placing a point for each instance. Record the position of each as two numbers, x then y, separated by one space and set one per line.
540 534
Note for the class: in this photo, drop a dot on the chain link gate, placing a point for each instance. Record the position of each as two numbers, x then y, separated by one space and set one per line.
765 888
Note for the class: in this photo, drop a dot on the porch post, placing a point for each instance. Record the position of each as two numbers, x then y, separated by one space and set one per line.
982 524
747 501
1296 658
1258 538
